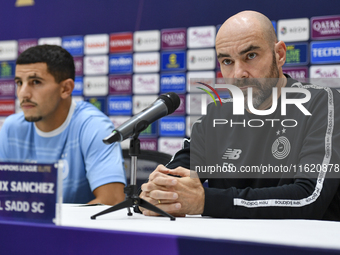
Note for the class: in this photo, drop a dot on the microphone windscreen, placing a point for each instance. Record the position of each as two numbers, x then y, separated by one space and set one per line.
171 100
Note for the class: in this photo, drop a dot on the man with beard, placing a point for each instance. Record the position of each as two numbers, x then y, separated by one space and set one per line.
281 164
54 127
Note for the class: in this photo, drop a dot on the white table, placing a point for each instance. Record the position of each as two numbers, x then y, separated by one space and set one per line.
301 233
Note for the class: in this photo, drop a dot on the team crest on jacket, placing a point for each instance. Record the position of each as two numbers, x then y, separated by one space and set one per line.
281 147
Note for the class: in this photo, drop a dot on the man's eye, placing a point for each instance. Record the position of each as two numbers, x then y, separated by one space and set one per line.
18 83
226 61
252 55
35 82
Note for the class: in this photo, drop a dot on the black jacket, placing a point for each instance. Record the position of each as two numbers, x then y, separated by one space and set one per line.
299 189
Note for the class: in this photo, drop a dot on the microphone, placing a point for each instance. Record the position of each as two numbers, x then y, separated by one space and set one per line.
164 105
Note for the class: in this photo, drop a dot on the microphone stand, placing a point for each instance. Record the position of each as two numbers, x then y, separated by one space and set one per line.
132 199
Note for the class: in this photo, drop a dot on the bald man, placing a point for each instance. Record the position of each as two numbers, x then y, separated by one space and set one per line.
251 59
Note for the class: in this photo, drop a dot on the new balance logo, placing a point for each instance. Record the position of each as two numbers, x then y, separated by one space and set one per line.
232 154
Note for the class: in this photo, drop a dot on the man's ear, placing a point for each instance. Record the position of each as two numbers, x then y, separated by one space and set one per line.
67 87
280 53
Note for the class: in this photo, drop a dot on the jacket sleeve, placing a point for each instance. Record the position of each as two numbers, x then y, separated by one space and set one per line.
307 196
181 157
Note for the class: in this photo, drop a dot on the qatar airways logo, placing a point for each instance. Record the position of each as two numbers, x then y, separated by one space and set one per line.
25 44
325 27
175 38
239 101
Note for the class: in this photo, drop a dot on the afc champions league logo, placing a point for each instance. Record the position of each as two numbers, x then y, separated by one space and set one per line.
281 147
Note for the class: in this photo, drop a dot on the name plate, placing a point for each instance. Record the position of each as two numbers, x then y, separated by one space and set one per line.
30 192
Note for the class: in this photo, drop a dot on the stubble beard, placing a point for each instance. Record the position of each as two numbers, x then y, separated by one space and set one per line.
264 89
33 118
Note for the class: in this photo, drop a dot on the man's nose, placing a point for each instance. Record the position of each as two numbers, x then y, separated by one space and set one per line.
24 91
240 70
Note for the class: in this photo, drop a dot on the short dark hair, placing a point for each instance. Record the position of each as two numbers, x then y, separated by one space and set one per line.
59 61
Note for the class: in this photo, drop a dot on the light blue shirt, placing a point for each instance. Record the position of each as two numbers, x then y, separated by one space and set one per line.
88 162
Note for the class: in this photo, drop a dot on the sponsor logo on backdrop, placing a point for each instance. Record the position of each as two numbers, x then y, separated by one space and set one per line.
173 83
96 65
24 44
293 30
201 37
328 71
7 107
120 84
325 52
297 54
99 102
7 69
121 63
119 105
121 42
8 50
325 75
78 87
297 73
173 61
169 145
142 102
181 108
148 144
118 120
207 77
96 44
201 59
174 38
146 83
74 45
78 64
50 41
7 88
172 126
96 86
146 40
327 27
194 103
146 62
